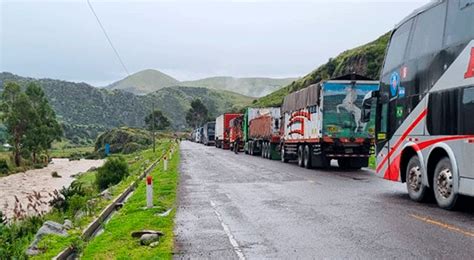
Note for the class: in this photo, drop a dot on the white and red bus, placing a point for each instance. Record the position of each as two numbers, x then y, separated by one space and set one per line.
425 107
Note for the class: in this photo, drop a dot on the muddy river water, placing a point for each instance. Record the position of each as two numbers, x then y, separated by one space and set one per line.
25 190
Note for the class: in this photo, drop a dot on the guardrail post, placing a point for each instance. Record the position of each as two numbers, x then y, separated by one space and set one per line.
165 164
149 192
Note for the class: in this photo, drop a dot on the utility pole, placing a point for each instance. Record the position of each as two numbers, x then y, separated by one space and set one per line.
153 125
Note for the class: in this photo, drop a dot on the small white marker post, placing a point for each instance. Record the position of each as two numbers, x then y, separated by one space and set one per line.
165 164
149 192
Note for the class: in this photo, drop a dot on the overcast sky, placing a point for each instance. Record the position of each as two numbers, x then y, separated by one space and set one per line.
186 39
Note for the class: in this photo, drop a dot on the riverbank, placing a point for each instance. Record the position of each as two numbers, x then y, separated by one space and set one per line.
19 191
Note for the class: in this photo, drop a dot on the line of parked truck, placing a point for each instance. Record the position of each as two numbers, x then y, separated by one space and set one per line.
325 121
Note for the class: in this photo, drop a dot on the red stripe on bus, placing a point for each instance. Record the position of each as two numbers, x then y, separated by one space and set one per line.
428 143
393 171
402 138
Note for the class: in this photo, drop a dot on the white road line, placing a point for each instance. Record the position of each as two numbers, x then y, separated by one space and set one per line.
232 240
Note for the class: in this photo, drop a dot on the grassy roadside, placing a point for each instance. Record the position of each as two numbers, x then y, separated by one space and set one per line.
52 245
116 242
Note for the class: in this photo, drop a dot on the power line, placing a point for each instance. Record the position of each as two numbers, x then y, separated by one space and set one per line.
108 38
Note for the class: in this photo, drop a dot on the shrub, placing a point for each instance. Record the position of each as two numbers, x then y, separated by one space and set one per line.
113 171
76 203
15 237
4 168
62 199
75 157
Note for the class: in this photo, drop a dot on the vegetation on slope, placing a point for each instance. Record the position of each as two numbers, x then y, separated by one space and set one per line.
144 82
116 242
176 101
364 60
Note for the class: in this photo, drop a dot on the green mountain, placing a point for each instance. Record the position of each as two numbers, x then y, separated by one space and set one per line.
148 81
364 60
253 87
144 82
86 111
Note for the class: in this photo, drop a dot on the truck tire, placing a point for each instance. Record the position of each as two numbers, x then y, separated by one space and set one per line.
300 156
267 150
307 156
443 184
416 189
283 155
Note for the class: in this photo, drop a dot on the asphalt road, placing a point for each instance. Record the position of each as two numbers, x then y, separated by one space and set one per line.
244 207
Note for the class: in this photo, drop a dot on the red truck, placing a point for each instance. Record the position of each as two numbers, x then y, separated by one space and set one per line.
222 137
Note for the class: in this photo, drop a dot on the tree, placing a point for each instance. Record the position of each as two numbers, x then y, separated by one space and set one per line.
197 114
161 121
45 128
17 113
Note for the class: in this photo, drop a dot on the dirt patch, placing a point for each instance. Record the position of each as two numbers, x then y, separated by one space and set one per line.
38 185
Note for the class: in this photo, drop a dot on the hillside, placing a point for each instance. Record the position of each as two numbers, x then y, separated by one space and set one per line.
364 60
86 111
144 82
176 101
148 81
253 87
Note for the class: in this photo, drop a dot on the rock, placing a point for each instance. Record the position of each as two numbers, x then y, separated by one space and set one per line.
67 224
106 194
147 239
144 232
91 169
49 227
155 244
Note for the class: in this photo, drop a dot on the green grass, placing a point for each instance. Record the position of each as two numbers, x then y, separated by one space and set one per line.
116 241
138 161
67 152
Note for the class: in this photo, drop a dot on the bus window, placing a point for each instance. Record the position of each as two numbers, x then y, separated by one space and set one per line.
467 109
443 112
397 48
428 32
460 20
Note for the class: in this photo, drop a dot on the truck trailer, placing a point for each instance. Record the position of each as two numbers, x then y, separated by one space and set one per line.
208 133
326 121
261 131
222 130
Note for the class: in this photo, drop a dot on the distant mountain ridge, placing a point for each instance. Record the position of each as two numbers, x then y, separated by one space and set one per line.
144 82
85 111
148 81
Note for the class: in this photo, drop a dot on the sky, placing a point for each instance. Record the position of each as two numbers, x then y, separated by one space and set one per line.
186 39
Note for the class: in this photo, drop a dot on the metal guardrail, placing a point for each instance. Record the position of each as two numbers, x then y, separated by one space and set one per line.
92 228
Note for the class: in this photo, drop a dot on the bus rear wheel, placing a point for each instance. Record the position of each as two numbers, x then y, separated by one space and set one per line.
414 180
443 184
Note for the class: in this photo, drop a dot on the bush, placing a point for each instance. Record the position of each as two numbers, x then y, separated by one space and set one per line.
113 171
75 157
14 238
62 200
4 168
